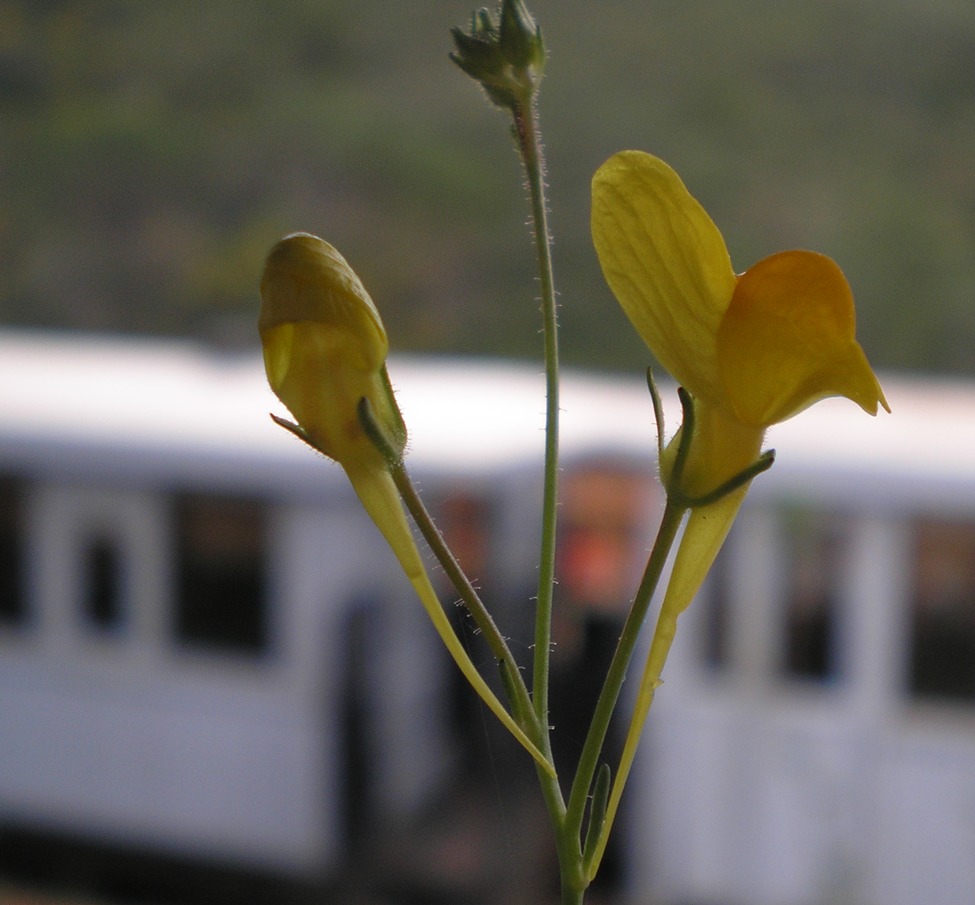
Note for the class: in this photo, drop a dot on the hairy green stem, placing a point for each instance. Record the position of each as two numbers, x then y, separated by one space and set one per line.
530 148
479 613
526 127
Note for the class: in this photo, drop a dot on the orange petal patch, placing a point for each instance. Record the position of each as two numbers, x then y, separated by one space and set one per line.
788 339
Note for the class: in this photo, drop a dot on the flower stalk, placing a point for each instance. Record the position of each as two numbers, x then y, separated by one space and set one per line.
325 348
514 683
508 61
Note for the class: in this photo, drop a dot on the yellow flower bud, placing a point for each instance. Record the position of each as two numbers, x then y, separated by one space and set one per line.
325 349
325 357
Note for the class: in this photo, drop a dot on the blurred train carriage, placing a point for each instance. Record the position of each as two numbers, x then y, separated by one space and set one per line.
179 580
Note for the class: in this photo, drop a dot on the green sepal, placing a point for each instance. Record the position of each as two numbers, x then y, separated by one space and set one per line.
684 436
482 24
511 692
388 438
295 429
658 412
597 815
507 59
520 38
377 436
476 56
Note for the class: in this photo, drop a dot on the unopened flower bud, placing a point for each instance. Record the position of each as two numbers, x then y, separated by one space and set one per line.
521 38
325 351
507 59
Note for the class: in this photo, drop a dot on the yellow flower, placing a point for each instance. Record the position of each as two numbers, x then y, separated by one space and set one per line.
751 349
325 349
325 355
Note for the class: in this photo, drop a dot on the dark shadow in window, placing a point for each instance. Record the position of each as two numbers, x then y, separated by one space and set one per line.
360 816
222 573
102 585
13 605
716 612
942 662
814 543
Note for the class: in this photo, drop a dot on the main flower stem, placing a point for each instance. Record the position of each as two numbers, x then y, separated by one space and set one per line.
530 149
526 128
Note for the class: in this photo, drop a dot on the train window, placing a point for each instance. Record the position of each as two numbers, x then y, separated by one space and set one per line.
813 545
221 549
102 602
12 602
942 659
715 611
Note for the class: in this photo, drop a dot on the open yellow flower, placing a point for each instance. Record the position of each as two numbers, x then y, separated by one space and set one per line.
751 350
325 356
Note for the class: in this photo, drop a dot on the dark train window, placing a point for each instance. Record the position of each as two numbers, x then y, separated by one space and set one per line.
13 608
715 612
813 568
221 573
102 585
942 648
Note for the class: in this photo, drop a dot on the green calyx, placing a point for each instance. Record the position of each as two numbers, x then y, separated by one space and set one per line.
677 452
507 57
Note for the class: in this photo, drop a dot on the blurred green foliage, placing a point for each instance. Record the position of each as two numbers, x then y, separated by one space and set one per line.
150 153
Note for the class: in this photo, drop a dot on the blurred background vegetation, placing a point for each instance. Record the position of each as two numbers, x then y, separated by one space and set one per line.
150 153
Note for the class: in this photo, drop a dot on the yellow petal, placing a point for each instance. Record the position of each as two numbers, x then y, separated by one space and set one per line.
307 280
788 339
704 534
721 448
317 372
666 263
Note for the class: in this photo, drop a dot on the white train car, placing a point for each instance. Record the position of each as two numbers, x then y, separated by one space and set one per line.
815 739
178 578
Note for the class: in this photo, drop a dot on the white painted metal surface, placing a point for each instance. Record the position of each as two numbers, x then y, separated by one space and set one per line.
753 787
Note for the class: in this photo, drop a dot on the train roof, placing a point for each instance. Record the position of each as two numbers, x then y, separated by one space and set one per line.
921 454
131 406
81 404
